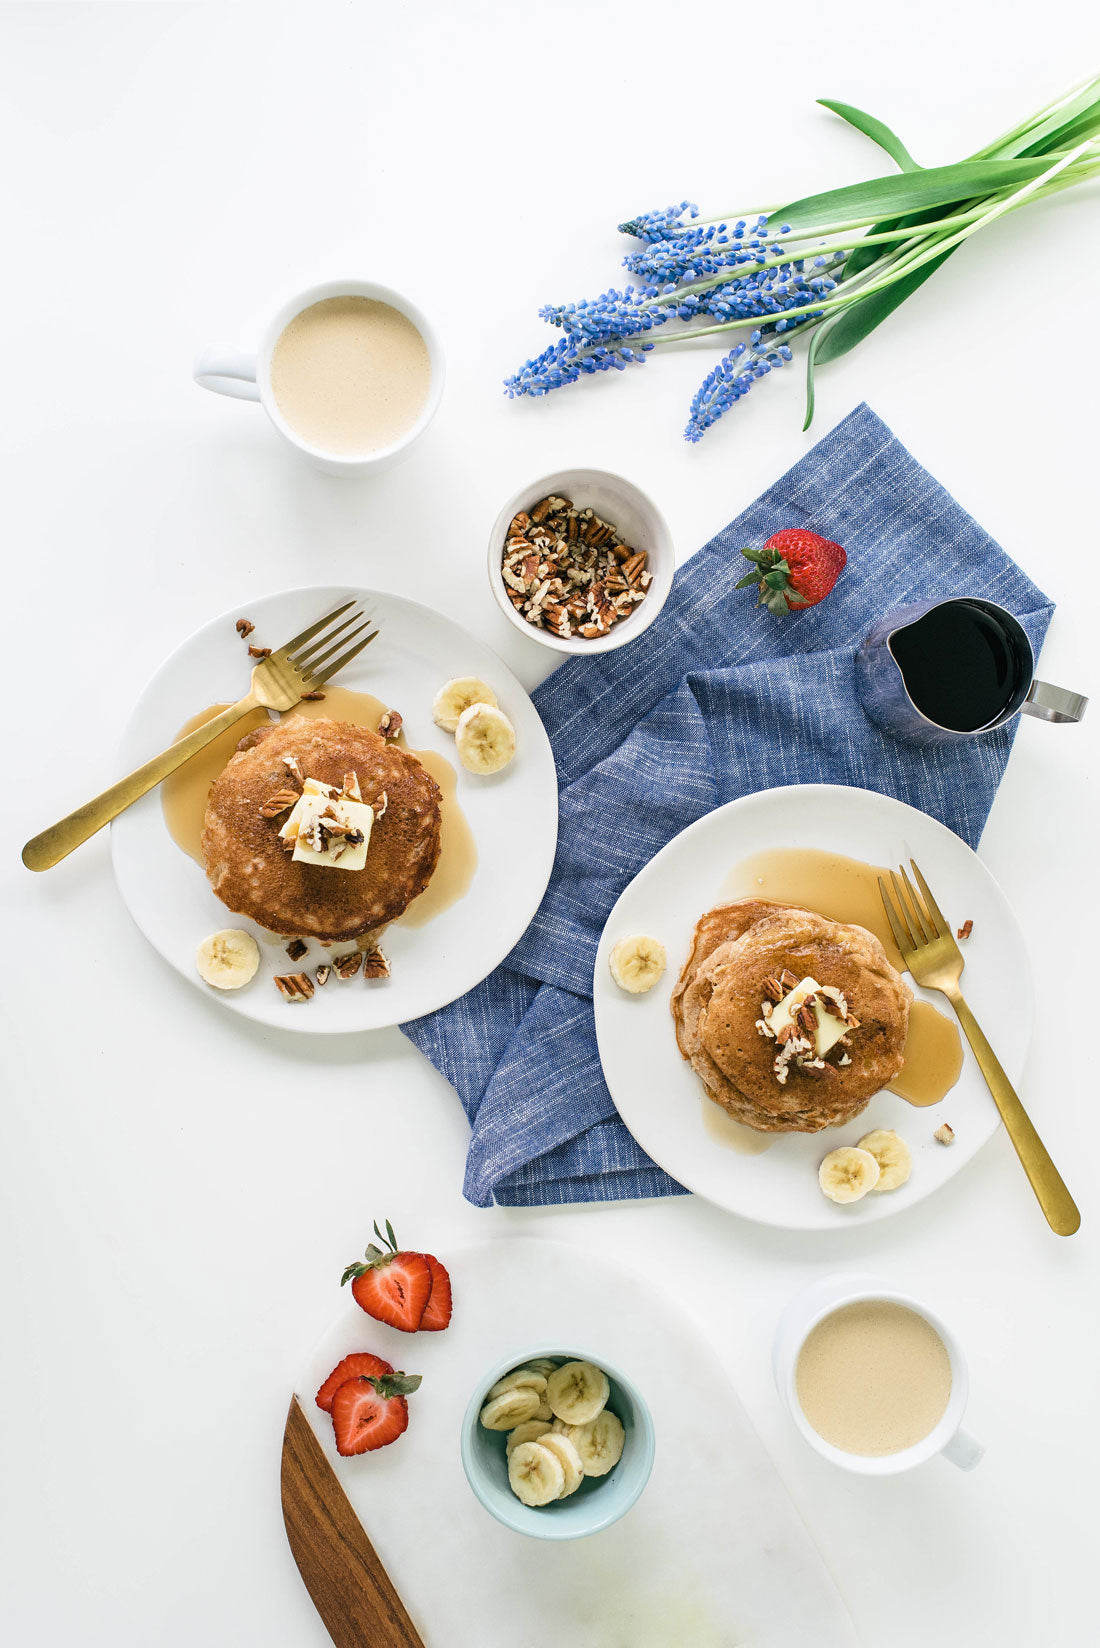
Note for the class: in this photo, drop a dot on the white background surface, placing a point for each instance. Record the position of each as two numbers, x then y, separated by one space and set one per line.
181 1190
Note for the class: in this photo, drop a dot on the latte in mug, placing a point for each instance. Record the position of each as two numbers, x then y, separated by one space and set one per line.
873 1378
350 375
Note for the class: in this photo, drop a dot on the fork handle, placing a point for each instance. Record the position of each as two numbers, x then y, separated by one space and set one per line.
1055 1200
60 839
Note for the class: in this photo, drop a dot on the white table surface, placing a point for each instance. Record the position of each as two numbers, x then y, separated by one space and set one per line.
181 1189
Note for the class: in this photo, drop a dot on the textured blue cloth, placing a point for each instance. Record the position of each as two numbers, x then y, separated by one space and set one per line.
716 701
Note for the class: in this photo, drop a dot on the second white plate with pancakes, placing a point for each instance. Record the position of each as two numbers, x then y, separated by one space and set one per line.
773 1178
498 832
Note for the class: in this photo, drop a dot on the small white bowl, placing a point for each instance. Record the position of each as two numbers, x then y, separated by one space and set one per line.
634 515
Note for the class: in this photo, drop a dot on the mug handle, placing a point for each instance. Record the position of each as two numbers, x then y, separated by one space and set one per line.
963 1450
1052 703
227 372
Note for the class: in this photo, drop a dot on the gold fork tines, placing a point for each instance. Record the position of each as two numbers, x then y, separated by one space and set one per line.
278 683
930 952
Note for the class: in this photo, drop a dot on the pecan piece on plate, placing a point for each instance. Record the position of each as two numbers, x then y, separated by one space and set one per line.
294 986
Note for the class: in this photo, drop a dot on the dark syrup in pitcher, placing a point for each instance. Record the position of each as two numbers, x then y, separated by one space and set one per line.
962 666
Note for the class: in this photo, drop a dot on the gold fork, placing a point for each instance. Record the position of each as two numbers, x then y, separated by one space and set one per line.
278 683
930 953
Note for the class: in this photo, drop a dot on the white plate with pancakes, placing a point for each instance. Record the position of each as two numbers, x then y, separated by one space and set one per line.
484 890
731 854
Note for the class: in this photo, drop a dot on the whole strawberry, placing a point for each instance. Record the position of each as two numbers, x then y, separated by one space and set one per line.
796 568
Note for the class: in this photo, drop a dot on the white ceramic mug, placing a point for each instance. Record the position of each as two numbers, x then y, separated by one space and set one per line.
821 1299
247 377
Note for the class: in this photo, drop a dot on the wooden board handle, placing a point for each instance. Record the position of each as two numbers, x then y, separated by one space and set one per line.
342 1571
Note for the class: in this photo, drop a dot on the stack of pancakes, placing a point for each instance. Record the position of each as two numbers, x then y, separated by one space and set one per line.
249 867
719 999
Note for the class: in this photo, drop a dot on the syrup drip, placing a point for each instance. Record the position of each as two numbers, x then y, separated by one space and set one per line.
846 889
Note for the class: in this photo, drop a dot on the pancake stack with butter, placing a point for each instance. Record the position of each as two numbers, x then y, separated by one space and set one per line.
792 1022
321 829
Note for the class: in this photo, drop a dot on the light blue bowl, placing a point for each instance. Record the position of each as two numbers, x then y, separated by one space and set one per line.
600 1500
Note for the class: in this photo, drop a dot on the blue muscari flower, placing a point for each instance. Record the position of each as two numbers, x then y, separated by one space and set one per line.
612 315
732 378
764 293
695 253
661 224
566 361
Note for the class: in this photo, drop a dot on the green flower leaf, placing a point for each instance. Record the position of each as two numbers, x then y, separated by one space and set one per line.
1061 130
820 333
749 578
851 326
881 197
876 130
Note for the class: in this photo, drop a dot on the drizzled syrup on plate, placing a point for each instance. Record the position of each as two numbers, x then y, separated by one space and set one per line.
846 889
184 793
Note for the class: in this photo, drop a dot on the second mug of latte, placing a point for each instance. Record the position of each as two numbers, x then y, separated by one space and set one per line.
349 372
873 1380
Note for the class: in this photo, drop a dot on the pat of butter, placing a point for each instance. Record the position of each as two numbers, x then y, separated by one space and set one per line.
828 1029
310 806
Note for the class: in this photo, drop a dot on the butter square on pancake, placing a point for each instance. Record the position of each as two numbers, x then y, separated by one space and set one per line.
336 853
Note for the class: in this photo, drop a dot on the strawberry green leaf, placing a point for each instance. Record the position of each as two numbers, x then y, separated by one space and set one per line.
749 578
395 1384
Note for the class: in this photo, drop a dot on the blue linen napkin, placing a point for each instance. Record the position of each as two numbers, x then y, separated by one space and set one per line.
717 700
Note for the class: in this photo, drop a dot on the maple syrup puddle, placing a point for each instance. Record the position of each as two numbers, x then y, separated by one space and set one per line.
846 889
726 1130
184 793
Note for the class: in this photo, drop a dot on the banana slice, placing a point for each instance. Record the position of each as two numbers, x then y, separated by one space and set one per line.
577 1392
514 1407
535 1475
485 739
529 1431
569 1459
228 959
848 1173
456 696
520 1379
637 963
545 1411
895 1163
560 1428
543 1365
599 1444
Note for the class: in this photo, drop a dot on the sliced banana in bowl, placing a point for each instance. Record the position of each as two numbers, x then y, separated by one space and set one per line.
557 1445
577 1392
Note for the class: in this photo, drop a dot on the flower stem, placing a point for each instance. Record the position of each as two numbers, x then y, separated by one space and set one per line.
738 270
1036 119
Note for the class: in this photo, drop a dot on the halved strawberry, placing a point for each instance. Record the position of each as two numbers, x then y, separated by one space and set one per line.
437 1316
371 1413
392 1287
361 1364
